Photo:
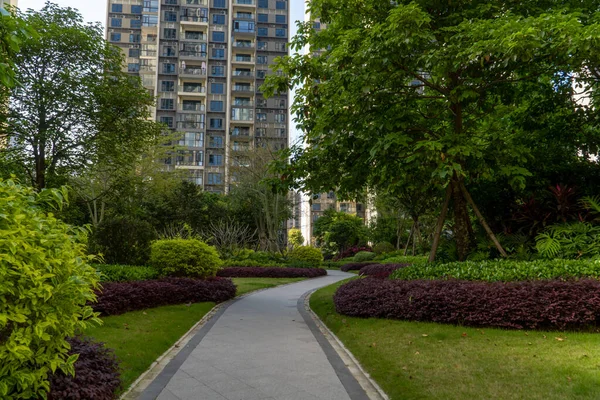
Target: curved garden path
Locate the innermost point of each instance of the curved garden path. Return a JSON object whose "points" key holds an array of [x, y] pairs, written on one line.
{"points": [[262, 346]]}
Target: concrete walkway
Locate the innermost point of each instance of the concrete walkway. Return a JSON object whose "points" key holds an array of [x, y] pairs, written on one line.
{"points": [[259, 348]]}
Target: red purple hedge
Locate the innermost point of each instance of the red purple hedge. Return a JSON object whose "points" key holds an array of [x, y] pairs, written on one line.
{"points": [[96, 377], [532, 304], [120, 297], [260, 272], [351, 252], [356, 266], [380, 270]]}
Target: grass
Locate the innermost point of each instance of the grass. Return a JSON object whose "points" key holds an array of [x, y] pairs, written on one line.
{"points": [[140, 337], [414, 360]]}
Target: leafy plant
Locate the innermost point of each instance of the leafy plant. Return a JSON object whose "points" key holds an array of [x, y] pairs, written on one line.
{"points": [[571, 240], [258, 272], [124, 273], [364, 256], [295, 237], [45, 283], [185, 257], [383, 247], [380, 270], [307, 254]]}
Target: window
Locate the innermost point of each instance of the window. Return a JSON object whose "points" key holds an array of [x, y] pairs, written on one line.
{"points": [[216, 105], [191, 105], [136, 9], [167, 86], [150, 20], [317, 25], [261, 60], [116, 22], [216, 123], [261, 116], [263, 3], [151, 5], [281, 132], [215, 160], [215, 178], [263, 18], [216, 88], [242, 114], [219, 19], [117, 8], [193, 139], [170, 33], [263, 32], [280, 5], [280, 118], [166, 104], [261, 132], [218, 36], [262, 45], [135, 38], [133, 67], [168, 68], [135, 23], [218, 53], [280, 32], [134, 52], [316, 207], [243, 26], [168, 51], [359, 207], [115, 37], [167, 121], [219, 3], [260, 74], [280, 19], [170, 16], [216, 141], [217, 70]]}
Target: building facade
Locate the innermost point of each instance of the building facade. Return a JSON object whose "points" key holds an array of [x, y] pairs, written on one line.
{"points": [[4, 3], [205, 61]]}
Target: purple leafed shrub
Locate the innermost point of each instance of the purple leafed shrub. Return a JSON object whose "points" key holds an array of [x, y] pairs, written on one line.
{"points": [[550, 304], [380, 270], [351, 252], [96, 377], [260, 272], [356, 266], [120, 297]]}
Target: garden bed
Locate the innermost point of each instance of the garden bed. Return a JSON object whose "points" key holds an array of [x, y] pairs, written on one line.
{"points": [[259, 272]]}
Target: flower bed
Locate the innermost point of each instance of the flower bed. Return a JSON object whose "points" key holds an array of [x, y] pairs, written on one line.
{"points": [[259, 272], [380, 270], [546, 304], [120, 297], [356, 266]]}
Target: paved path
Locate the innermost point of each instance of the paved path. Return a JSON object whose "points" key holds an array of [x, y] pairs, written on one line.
{"points": [[259, 348]]}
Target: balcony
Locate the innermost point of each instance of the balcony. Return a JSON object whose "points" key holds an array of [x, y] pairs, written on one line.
{"points": [[243, 74], [243, 45], [242, 115], [193, 91], [190, 125], [244, 3], [240, 132], [192, 107], [194, 2], [246, 16], [192, 55], [248, 103], [192, 72], [193, 37], [243, 89], [242, 59], [193, 20]]}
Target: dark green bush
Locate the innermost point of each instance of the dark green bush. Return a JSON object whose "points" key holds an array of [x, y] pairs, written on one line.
{"points": [[364, 256], [383, 247], [125, 273], [503, 270], [123, 241], [306, 254], [185, 257]]}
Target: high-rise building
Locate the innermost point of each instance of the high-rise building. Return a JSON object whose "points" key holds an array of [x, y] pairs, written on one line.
{"points": [[205, 61], [4, 3]]}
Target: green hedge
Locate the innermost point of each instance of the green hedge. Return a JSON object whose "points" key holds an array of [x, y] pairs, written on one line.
{"points": [[125, 273], [502, 270], [306, 254], [185, 258]]}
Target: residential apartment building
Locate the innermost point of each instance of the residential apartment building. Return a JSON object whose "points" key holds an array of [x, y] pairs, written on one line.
{"points": [[205, 61], [4, 3]]}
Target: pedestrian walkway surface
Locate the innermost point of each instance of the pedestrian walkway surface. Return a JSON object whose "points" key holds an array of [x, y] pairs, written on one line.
{"points": [[260, 348]]}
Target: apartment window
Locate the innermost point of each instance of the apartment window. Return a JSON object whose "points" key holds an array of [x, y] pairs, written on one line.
{"points": [[116, 22], [260, 74], [215, 178], [280, 118], [216, 105], [216, 123], [359, 207], [217, 70], [133, 67], [117, 8], [193, 139], [151, 5], [216, 88], [167, 86], [262, 45], [261, 60], [135, 38], [216, 141], [219, 3], [218, 19], [215, 160], [218, 53], [281, 132], [280, 5], [166, 104], [115, 37], [135, 23], [170, 16], [261, 132], [280, 19], [150, 20], [134, 52], [280, 32], [263, 17], [168, 68], [243, 26], [136, 9], [170, 33], [168, 51], [263, 32], [263, 3], [218, 36], [167, 121], [316, 207], [317, 25], [261, 116]]}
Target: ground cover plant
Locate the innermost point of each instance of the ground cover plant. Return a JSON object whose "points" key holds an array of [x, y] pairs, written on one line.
{"points": [[124, 273], [419, 360], [380, 270], [250, 272], [356, 266], [120, 297], [550, 304], [503, 270]]}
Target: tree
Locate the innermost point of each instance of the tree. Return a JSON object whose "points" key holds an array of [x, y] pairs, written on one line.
{"points": [[74, 105], [295, 237], [400, 87], [338, 230]]}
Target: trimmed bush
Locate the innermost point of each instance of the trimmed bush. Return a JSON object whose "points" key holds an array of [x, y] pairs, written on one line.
{"points": [[351, 252], [272, 272], [185, 258], [125, 273], [354, 266], [520, 305], [380, 270], [364, 256], [251, 263], [123, 240], [97, 375], [121, 297], [503, 270], [386, 259], [45, 283], [383, 247], [306, 254]]}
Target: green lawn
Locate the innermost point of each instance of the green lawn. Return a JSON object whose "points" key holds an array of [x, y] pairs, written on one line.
{"points": [[413, 360], [140, 337]]}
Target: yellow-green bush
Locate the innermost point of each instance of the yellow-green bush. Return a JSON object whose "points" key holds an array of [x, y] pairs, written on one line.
{"points": [[45, 283], [185, 257], [307, 254]]}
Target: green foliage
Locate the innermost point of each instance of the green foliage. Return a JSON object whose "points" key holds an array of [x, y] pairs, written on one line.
{"points": [[45, 284], [13, 31], [185, 257], [383, 247], [123, 240], [295, 237], [339, 230], [399, 259], [124, 273], [364, 256], [503, 270], [306, 254], [572, 240]]}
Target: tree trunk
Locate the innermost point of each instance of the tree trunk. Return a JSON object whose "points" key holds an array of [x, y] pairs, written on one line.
{"points": [[440, 225], [412, 230], [40, 168], [463, 230], [417, 236]]}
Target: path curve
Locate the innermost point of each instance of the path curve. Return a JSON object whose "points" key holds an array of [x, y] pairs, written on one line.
{"points": [[258, 348]]}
